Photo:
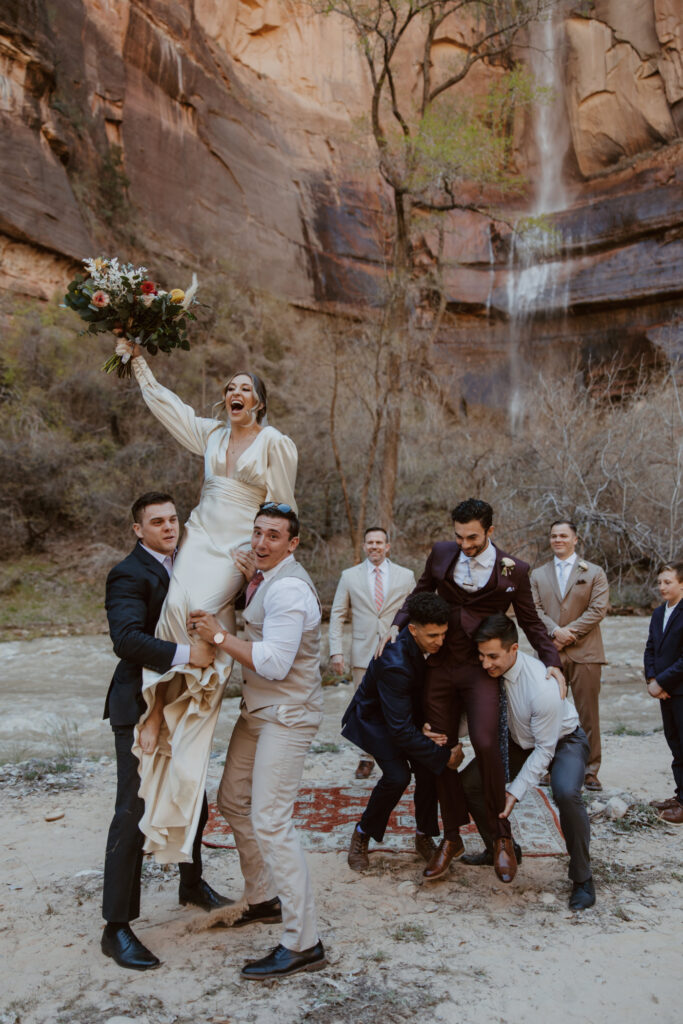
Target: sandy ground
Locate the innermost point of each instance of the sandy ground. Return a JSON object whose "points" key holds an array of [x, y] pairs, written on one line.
{"points": [[463, 950]]}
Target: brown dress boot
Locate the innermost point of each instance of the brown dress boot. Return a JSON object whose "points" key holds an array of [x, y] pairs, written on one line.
{"points": [[425, 846], [504, 860], [358, 859], [446, 851]]}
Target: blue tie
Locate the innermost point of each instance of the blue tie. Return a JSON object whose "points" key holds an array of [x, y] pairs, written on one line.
{"points": [[503, 735]]}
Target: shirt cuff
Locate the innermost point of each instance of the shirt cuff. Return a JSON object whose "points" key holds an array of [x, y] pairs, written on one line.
{"points": [[181, 656], [517, 787]]}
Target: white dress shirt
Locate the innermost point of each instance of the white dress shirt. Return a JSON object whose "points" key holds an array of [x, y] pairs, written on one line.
{"points": [[182, 651], [667, 613], [384, 572], [536, 718], [290, 607], [563, 574], [478, 569]]}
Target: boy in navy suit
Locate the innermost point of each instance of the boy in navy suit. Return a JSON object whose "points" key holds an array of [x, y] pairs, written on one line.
{"points": [[385, 719], [664, 675]]}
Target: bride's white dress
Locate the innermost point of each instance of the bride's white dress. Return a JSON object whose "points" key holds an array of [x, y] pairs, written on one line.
{"points": [[172, 779]]}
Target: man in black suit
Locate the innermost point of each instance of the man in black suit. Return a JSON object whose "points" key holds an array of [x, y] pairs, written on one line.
{"points": [[664, 675], [136, 589], [476, 579], [385, 719]]}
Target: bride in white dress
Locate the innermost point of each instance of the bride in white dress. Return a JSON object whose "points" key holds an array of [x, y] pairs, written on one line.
{"points": [[245, 464]]}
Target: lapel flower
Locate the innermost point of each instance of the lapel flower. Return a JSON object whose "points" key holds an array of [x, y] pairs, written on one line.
{"points": [[583, 566], [507, 565]]}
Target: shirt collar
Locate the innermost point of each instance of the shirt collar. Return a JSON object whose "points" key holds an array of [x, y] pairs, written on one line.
{"points": [[514, 672], [276, 568], [158, 555], [485, 558], [565, 561], [382, 566]]}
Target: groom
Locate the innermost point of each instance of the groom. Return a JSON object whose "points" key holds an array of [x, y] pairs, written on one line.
{"points": [[476, 579], [136, 589]]}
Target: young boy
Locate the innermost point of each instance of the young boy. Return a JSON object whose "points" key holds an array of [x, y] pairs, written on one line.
{"points": [[664, 675]]}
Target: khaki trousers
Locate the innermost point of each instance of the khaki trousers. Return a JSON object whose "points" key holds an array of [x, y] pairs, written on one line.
{"points": [[584, 682], [260, 782], [358, 674]]}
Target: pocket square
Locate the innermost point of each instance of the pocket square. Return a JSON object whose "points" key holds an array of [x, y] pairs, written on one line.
{"points": [[508, 590]]}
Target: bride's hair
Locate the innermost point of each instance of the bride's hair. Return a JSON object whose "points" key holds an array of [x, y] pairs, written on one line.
{"points": [[259, 390]]}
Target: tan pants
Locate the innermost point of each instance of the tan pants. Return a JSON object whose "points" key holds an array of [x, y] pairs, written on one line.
{"points": [[584, 682], [256, 796], [358, 674]]}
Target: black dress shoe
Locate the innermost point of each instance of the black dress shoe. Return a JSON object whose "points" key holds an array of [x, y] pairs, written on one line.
{"points": [[485, 858], [122, 945], [282, 961], [202, 895], [583, 895], [267, 912]]}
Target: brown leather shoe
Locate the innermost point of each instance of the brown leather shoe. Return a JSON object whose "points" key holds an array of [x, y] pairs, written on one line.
{"points": [[664, 805], [674, 815], [364, 769], [425, 846], [504, 860], [446, 851], [592, 782], [357, 858]]}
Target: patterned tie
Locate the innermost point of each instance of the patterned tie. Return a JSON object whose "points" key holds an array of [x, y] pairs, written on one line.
{"points": [[503, 736], [468, 582], [379, 588], [253, 586]]}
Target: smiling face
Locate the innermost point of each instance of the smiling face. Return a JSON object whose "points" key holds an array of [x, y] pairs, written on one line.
{"points": [[270, 541], [241, 401], [669, 586], [563, 540], [496, 659], [158, 528], [376, 546], [472, 537]]}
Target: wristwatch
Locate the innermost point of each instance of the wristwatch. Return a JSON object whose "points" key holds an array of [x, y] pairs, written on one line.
{"points": [[218, 638]]}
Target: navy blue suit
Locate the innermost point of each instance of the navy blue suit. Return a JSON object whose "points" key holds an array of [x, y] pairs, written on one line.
{"points": [[664, 662], [136, 589], [385, 719]]}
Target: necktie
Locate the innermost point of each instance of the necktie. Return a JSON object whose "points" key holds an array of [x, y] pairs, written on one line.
{"points": [[253, 586], [503, 735], [168, 564], [563, 566], [468, 582], [379, 588]]}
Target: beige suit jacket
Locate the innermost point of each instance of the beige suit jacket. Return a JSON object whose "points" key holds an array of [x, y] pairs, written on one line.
{"points": [[582, 609], [367, 626]]}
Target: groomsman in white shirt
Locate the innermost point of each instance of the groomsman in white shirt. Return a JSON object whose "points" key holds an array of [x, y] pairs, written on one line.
{"points": [[372, 592], [544, 735], [281, 709]]}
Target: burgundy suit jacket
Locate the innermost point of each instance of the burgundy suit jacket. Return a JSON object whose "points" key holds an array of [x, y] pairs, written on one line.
{"points": [[511, 587]]}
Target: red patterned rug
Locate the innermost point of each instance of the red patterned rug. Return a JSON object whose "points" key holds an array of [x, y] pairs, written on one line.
{"points": [[325, 818]]}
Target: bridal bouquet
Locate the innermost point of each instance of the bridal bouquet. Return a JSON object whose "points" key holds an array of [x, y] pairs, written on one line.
{"points": [[120, 298]]}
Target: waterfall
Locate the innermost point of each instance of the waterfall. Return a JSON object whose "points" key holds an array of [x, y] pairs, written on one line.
{"points": [[534, 282]]}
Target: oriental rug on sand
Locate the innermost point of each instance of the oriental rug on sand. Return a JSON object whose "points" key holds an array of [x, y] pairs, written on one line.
{"points": [[325, 816]]}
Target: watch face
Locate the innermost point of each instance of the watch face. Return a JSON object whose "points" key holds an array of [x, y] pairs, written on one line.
{"points": [[218, 638]]}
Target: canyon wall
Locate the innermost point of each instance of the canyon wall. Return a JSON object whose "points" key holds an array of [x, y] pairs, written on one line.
{"points": [[230, 132]]}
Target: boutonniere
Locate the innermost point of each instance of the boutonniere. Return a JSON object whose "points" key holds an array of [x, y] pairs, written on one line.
{"points": [[507, 565], [583, 566]]}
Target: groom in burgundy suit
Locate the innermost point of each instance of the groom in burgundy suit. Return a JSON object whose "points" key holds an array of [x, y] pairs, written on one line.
{"points": [[476, 579]]}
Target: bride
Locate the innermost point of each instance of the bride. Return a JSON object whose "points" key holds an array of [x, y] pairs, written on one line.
{"points": [[245, 464]]}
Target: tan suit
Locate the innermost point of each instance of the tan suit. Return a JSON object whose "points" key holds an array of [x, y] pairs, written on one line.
{"points": [[368, 626], [582, 609], [263, 767]]}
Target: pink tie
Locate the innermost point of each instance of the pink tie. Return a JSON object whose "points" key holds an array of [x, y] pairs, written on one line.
{"points": [[379, 589], [253, 585]]}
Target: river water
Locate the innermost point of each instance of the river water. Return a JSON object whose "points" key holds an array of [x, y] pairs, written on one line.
{"points": [[52, 693]]}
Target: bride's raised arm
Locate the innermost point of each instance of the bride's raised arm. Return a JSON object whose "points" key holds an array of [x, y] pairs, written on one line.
{"points": [[281, 474], [180, 420]]}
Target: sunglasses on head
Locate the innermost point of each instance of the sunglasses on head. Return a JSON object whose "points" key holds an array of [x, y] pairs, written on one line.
{"points": [[270, 506]]}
